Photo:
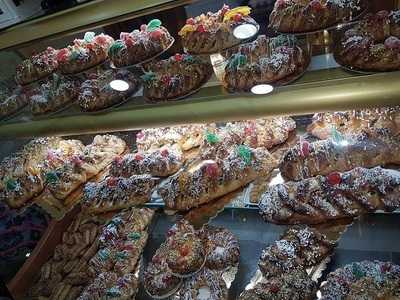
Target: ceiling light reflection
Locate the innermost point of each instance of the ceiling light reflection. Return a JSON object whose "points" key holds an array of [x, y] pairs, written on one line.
{"points": [[245, 31], [119, 85], [262, 89]]}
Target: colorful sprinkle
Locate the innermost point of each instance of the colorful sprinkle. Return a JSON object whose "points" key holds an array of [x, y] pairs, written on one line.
{"points": [[245, 153], [334, 178], [52, 177], [212, 138], [104, 254]]}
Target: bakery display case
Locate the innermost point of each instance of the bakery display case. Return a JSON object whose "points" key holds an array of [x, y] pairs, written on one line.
{"points": [[202, 150]]}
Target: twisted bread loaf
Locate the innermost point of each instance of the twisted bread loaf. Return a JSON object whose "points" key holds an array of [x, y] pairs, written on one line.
{"points": [[338, 195], [351, 122], [324, 157], [298, 248], [206, 180]]}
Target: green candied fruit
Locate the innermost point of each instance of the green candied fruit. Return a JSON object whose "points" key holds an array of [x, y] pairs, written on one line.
{"points": [[11, 184], [116, 47], [148, 76], [89, 36], [153, 25], [114, 292], [104, 254], [357, 271], [52, 177], [121, 255], [188, 58], [283, 40], [237, 60], [245, 153], [337, 137], [212, 138], [134, 235]]}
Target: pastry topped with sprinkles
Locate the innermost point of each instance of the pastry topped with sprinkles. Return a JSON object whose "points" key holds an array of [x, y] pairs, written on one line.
{"points": [[53, 95], [84, 53], [383, 120], [296, 16], [373, 44], [363, 280], [97, 93], [335, 196], [175, 77], [213, 32], [264, 61], [37, 67], [140, 45]]}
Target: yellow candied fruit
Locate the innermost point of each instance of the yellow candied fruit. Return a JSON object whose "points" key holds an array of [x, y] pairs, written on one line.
{"points": [[185, 29], [243, 10]]}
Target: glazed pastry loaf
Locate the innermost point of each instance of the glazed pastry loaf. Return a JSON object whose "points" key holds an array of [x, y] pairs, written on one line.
{"points": [[324, 157], [338, 195], [206, 180]]}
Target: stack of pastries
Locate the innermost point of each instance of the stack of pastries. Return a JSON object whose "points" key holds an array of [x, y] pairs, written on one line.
{"points": [[48, 171]]}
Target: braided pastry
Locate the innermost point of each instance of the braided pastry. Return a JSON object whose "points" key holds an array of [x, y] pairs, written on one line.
{"points": [[140, 45], [175, 77], [293, 16], [84, 53], [351, 122], [261, 63], [116, 193], [36, 67], [324, 157], [298, 248], [295, 285], [206, 180], [338, 195], [186, 137], [363, 280], [213, 32], [53, 95], [162, 162], [96, 93], [12, 101], [373, 44]]}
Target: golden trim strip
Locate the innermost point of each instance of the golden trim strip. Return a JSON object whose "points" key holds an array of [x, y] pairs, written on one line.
{"points": [[212, 104], [93, 14]]}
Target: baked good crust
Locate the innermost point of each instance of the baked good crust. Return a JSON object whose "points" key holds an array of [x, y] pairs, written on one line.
{"points": [[213, 32], [13, 100], [297, 16]]}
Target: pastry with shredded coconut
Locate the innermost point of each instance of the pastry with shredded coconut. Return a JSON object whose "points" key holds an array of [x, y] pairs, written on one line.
{"points": [[97, 92], [363, 280], [175, 77], [213, 32], [339, 153], [37, 67], [383, 120], [297, 16], [53, 95], [140, 45], [335, 196], [84, 53], [373, 44], [264, 61]]}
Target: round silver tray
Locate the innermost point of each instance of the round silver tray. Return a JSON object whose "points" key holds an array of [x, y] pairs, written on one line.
{"points": [[138, 65]]}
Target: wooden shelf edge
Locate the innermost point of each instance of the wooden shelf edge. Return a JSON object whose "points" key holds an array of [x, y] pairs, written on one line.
{"points": [[211, 106]]}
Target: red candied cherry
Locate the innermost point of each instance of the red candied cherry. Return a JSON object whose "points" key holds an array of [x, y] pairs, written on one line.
{"points": [[139, 156], [316, 5], [156, 34], [250, 129], [237, 17], [334, 178], [392, 42], [101, 40], [164, 152], [190, 21], [112, 181], [128, 247], [178, 57], [184, 250], [201, 28], [212, 170], [143, 27], [166, 80], [118, 160], [62, 55], [274, 288], [129, 42], [280, 4], [305, 149]]}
